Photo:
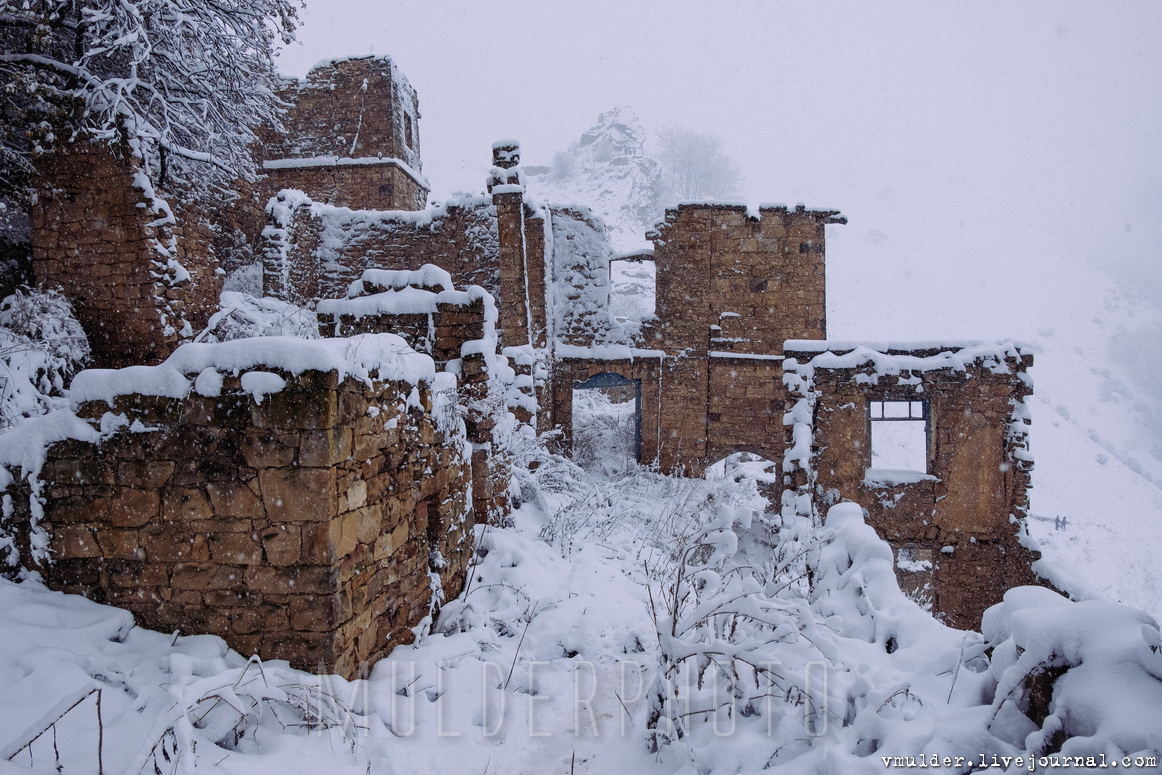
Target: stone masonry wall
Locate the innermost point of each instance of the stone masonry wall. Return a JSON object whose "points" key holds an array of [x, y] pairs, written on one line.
{"points": [[731, 282], [963, 515], [732, 286], [354, 107], [363, 184], [140, 275], [350, 137], [744, 396], [316, 251], [300, 527], [440, 323]]}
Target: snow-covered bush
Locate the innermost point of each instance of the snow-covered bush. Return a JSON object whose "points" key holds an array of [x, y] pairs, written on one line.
{"points": [[242, 316], [41, 346], [1074, 679]]}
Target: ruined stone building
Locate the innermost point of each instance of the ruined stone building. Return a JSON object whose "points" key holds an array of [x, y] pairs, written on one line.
{"points": [[505, 294]]}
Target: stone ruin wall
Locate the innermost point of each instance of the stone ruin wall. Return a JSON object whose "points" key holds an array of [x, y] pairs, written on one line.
{"points": [[978, 466], [318, 251], [376, 185], [745, 397], [731, 289], [97, 235], [353, 107], [302, 530], [361, 113], [458, 319], [731, 282]]}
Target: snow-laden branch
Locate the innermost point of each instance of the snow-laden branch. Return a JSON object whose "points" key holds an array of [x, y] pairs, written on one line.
{"points": [[189, 79]]}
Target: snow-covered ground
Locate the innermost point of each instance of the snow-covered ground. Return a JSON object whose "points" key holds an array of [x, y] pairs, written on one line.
{"points": [[635, 623], [644, 625]]}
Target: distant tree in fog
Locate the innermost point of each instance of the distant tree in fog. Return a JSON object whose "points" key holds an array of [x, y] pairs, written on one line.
{"points": [[564, 165], [694, 166]]}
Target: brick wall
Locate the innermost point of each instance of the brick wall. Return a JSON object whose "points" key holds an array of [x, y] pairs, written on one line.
{"points": [[140, 280], [304, 529], [958, 514]]}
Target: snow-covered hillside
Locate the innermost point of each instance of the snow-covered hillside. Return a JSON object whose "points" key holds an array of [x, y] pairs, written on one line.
{"points": [[608, 170]]}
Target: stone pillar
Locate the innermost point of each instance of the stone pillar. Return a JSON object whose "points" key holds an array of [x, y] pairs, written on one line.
{"points": [[508, 196]]}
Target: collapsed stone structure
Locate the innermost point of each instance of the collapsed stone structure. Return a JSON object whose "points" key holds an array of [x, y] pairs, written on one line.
{"points": [[735, 360], [325, 505], [955, 523]]}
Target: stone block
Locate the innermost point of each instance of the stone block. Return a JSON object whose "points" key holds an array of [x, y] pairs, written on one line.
{"points": [[266, 450], [297, 409], [281, 543], [298, 494], [293, 580], [75, 541], [325, 447], [185, 504], [145, 474], [235, 548], [158, 543], [204, 576], [131, 507], [231, 499]]}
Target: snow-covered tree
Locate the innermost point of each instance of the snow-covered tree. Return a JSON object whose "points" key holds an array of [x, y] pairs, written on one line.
{"points": [[694, 166], [185, 81]]}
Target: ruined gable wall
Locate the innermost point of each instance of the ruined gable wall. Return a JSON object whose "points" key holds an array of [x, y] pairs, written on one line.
{"points": [[731, 288], [140, 275], [302, 530], [348, 107], [978, 463], [731, 282]]}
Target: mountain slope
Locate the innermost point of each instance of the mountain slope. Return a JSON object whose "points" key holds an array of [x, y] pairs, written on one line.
{"points": [[608, 170]]}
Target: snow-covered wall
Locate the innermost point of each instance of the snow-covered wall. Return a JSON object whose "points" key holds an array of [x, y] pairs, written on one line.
{"points": [[315, 250], [278, 492], [956, 516]]}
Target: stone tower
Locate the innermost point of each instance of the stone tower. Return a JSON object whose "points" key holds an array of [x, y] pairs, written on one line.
{"points": [[350, 137]]}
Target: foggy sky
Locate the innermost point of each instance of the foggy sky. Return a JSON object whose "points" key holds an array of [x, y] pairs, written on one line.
{"points": [[976, 141]]}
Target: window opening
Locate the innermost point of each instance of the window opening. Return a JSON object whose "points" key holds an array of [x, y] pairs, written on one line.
{"points": [[632, 288], [899, 433]]}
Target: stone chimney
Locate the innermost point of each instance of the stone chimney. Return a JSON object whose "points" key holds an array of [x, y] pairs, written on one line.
{"points": [[505, 183]]}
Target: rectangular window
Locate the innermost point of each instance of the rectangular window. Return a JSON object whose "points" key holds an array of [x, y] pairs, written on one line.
{"points": [[407, 130], [899, 435]]}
